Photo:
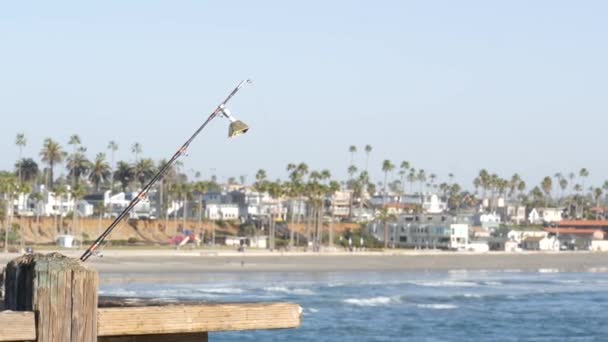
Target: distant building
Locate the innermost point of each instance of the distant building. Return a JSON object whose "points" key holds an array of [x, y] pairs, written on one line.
{"points": [[584, 224], [433, 231], [339, 204], [515, 214], [487, 220], [575, 238], [540, 243], [520, 235], [216, 211], [545, 215]]}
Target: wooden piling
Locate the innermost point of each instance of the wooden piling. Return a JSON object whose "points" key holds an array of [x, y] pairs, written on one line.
{"points": [[61, 291], [53, 298]]}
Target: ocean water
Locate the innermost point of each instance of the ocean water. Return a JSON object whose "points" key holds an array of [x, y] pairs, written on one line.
{"points": [[511, 305]]}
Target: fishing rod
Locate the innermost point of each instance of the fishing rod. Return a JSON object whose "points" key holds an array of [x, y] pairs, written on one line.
{"points": [[236, 128]]}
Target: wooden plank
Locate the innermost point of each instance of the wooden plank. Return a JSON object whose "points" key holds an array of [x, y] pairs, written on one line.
{"points": [[60, 290], [194, 337], [196, 318], [17, 326]]}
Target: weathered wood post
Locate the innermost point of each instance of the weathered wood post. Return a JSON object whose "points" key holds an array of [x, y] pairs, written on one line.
{"points": [[61, 291]]}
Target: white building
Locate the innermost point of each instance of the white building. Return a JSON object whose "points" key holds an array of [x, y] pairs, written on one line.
{"points": [[432, 204], [519, 235], [516, 214], [340, 204], [222, 211], [542, 215], [459, 238]]}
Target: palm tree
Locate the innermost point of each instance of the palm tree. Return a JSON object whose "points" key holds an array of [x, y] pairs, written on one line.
{"points": [[201, 187], [78, 165], [387, 167], [124, 174], [275, 190], [411, 178], [27, 169], [331, 189], [260, 181], [368, 150], [597, 194], [136, 149], [60, 191], [8, 188], [351, 173], [113, 147], [421, 178], [52, 154], [563, 185], [352, 149], [513, 184], [144, 171], [385, 218], [547, 186], [77, 192], [404, 168], [37, 197], [75, 142], [100, 171], [583, 173], [20, 141]]}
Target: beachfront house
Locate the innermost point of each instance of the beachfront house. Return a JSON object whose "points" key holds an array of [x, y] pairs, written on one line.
{"points": [[339, 204], [515, 214], [545, 215], [576, 239], [488, 221], [427, 231], [520, 235], [222, 211], [433, 205]]}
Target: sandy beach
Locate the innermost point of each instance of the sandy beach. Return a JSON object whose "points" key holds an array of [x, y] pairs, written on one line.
{"points": [[181, 263]]}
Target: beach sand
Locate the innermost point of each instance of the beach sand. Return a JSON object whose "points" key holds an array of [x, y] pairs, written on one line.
{"points": [[134, 262]]}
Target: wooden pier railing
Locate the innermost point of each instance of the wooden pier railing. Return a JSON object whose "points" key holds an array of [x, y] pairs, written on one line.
{"points": [[54, 298]]}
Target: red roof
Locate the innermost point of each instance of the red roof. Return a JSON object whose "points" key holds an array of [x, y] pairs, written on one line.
{"points": [[574, 231], [583, 223]]}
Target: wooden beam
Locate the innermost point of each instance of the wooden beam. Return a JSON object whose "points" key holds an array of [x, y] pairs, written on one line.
{"points": [[193, 337], [17, 326], [60, 290], [174, 319]]}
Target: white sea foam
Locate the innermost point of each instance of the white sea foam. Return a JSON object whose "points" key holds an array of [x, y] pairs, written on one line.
{"points": [[471, 295], [492, 283], [313, 310], [548, 270], [438, 306], [374, 301], [223, 290], [446, 283], [118, 292], [294, 291]]}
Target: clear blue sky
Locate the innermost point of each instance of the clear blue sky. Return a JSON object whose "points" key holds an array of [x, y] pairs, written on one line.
{"points": [[451, 86]]}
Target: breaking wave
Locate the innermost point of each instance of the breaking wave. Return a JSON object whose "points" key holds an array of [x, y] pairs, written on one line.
{"points": [[373, 301], [293, 291], [438, 306]]}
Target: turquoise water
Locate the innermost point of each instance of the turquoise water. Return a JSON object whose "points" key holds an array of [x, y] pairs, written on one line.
{"points": [[546, 305]]}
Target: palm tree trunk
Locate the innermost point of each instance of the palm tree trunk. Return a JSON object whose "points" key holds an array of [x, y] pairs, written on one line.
{"points": [[200, 213], [185, 213], [385, 234], [37, 224], [331, 233], [6, 227]]}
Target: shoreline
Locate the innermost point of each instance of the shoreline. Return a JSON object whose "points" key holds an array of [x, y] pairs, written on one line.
{"points": [[132, 262]]}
